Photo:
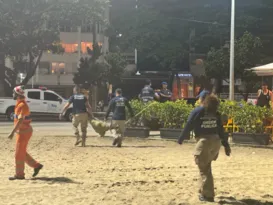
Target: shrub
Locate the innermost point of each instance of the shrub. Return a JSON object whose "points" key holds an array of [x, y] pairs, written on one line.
{"points": [[174, 115], [137, 107], [250, 118]]}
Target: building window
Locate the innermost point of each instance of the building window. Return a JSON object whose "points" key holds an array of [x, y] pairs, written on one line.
{"points": [[84, 46], [70, 48], [73, 48], [44, 68], [58, 68]]}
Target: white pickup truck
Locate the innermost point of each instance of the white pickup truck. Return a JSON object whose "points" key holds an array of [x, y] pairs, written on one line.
{"points": [[42, 102]]}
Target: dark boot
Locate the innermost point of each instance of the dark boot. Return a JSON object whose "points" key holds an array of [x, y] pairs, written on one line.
{"points": [[115, 141], [206, 199], [37, 170], [78, 140], [83, 141], [119, 142], [16, 178]]}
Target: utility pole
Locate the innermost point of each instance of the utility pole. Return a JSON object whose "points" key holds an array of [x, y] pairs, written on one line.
{"points": [[232, 40], [79, 43], [138, 73]]}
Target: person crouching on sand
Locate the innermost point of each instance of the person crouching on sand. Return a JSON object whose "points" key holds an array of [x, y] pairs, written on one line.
{"points": [[209, 133]]}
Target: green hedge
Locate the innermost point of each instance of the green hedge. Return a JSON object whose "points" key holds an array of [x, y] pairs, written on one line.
{"points": [[171, 114], [174, 115]]}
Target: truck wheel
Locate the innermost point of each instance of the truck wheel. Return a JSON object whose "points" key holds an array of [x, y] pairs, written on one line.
{"points": [[69, 116], [10, 114]]}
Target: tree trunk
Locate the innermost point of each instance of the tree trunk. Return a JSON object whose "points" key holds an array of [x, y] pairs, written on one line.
{"points": [[32, 68], [94, 32]]}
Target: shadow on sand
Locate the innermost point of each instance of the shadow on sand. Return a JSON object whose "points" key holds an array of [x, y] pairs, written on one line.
{"points": [[109, 146], [233, 201], [55, 180]]}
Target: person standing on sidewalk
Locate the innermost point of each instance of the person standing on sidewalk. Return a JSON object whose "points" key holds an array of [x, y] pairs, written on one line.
{"points": [[147, 94], [23, 131], [118, 105], [81, 111], [165, 94], [207, 125], [265, 96]]}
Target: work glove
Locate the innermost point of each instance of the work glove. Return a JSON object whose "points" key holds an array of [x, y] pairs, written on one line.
{"points": [[227, 148]]}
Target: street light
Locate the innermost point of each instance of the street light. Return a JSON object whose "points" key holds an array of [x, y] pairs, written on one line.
{"points": [[232, 39]]}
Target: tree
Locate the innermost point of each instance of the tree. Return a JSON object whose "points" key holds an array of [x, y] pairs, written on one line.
{"points": [[30, 29], [247, 55], [96, 71], [117, 65], [91, 71], [160, 29]]}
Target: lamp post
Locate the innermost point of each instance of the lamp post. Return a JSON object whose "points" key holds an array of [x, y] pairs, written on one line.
{"points": [[137, 73], [232, 39]]}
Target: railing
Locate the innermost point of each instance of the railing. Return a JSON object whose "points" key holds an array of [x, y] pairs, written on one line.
{"points": [[238, 96]]}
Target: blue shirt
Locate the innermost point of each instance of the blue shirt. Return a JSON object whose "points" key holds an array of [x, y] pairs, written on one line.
{"points": [[203, 123], [147, 94], [203, 95], [79, 103], [118, 106]]}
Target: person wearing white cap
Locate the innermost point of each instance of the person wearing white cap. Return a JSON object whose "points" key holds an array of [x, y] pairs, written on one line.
{"points": [[23, 131]]}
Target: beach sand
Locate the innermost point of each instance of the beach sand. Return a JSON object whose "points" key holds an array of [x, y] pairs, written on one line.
{"points": [[143, 172]]}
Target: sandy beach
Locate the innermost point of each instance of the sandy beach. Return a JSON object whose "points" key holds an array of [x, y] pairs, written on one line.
{"points": [[143, 172]]}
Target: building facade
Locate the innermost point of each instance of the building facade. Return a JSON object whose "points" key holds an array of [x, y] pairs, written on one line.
{"points": [[55, 71]]}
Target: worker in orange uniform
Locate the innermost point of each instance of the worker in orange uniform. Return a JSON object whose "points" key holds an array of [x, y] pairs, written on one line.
{"points": [[23, 131]]}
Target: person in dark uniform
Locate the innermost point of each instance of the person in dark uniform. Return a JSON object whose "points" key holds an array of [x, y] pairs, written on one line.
{"points": [[81, 112], [165, 94], [118, 105], [207, 125], [147, 94], [264, 96]]}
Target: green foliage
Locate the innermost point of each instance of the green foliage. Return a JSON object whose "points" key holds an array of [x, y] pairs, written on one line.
{"points": [[250, 118], [94, 71], [174, 115], [217, 63], [26, 31], [117, 65], [137, 107], [91, 71], [229, 108], [161, 30], [247, 55]]}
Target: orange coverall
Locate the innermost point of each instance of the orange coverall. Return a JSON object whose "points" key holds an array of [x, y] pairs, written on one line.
{"points": [[23, 135]]}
